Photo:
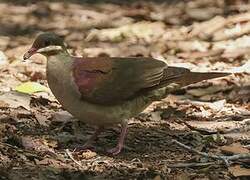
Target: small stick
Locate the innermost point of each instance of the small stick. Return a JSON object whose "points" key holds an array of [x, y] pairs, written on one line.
{"points": [[238, 156], [72, 158], [225, 159], [184, 165]]}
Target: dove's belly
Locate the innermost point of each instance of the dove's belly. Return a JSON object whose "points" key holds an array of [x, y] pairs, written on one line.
{"points": [[106, 115], [95, 114]]}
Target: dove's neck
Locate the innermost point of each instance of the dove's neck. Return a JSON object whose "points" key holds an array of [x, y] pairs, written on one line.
{"points": [[59, 76], [59, 65]]}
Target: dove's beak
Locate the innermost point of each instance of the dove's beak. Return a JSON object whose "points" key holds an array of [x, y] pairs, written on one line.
{"points": [[29, 53]]}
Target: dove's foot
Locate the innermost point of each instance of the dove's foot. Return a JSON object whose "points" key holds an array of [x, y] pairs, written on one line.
{"points": [[116, 150]]}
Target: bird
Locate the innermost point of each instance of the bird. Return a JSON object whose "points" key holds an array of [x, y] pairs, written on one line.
{"points": [[107, 91]]}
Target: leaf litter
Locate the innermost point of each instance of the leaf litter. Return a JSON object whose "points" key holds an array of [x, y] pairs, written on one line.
{"points": [[211, 116]]}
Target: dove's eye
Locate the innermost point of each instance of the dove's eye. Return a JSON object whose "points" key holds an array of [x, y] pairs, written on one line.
{"points": [[46, 43]]}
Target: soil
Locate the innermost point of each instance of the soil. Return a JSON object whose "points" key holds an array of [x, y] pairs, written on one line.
{"points": [[37, 136]]}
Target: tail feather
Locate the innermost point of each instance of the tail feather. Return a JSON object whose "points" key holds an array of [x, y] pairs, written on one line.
{"points": [[185, 77]]}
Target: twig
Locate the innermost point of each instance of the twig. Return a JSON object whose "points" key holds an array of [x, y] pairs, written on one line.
{"points": [[238, 156], [225, 159], [26, 152], [198, 152], [9, 145], [72, 158], [184, 165]]}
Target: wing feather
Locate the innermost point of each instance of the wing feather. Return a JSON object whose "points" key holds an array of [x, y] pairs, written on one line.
{"points": [[110, 81]]}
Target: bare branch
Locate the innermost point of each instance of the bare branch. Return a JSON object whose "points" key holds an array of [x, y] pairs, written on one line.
{"points": [[225, 159]]}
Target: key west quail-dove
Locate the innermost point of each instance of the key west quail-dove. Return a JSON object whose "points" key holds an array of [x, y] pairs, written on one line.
{"points": [[104, 91]]}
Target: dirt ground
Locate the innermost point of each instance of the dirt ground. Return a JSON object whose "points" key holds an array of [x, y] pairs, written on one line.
{"points": [[37, 135]]}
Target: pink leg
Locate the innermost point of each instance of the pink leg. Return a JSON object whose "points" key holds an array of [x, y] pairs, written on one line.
{"points": [[89, 142], [119, 146]]}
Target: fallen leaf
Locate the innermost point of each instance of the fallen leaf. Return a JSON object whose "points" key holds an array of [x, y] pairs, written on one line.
{"points": [[141, 30], [31, 87], [62, 116], [182, 176], [230, 33], [238, 171], [158, 177], [222, 126], [207, 28], [4, 41], [14, 99], [232, 149], [244, 68], [193, 47], [203, 13], [3, 104], [3, 58], [217, 105], [236, 53], [196, 54], [88, 154], [42, 120], [205, 91], [41, 145], [238, 136]]}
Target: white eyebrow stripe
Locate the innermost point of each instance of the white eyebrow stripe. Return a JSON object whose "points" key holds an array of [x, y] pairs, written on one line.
{"points": [[50, 48]]}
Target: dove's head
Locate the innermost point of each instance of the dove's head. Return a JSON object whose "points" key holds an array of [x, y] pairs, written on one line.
{"points": [[45, 43]]}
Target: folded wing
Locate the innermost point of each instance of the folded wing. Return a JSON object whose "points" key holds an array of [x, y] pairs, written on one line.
{"points": [[110, 81]]}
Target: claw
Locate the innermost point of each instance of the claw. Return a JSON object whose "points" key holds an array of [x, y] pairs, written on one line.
{"points": [[115, 151], [118, 148]]}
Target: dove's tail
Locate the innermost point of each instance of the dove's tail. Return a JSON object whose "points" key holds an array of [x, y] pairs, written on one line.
{"points": [[175, 78], [184, 77]]}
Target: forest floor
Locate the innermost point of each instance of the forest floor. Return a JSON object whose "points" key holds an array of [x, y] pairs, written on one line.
{"points": [[212, 117]]}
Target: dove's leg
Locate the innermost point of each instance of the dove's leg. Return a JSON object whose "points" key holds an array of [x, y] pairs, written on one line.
{"points": [[116, 150]]}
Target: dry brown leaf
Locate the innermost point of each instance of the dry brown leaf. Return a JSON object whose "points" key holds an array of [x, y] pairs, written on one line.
{"points": [[244, 68], [141, 30], [88, 154], [207, 28], [196, 55], [172, 34], [238, 136], [231, 33], [219, 127], [205, 91], [231, 45], [182, 176], [239, 18], [235, 148], [238, 171], [4, 41], [158, 177], [185, 46], [236, 53], [3, 58], [15, 100], [62, 116], [41, 119], [41, 145], [203, 13], [17, 53], [3, 104]]}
